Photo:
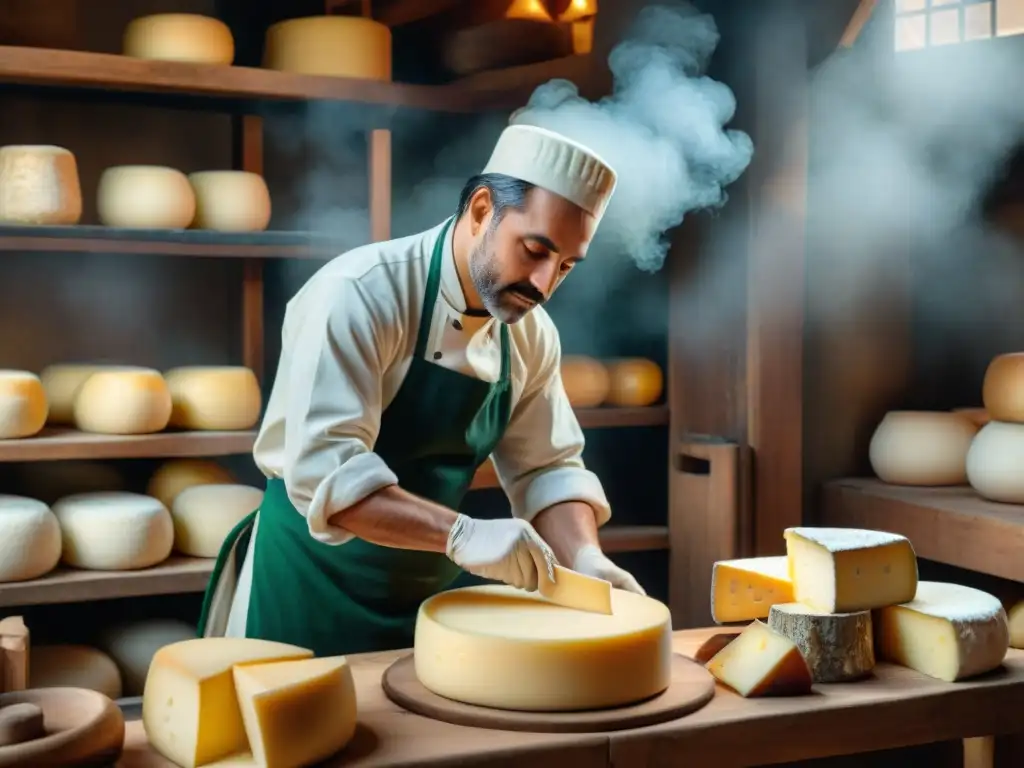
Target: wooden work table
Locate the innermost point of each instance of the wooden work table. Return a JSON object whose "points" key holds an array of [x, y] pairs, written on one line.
{"points": [[898, 707]]}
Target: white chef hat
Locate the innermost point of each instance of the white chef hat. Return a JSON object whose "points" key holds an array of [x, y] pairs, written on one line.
{"points": [[555, 163]]}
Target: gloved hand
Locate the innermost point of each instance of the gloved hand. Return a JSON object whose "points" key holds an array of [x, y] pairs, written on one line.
{"points": [[507, 550], [591, 561]]}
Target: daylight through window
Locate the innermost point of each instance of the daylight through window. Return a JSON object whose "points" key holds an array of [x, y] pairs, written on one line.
{"points": [[926, 23]]}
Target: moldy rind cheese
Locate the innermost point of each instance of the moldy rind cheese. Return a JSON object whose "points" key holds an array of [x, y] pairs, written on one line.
{"points": [[746, 589], [761, 662], [838, 647], [39, 185]]}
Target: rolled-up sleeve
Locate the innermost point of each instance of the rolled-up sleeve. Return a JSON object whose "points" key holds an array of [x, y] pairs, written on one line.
{"points": [[338, 354], [539, 460]]}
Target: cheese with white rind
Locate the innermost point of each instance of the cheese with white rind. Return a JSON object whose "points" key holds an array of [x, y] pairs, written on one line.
{"points": [[501, 647], [145, 197], [838, 647], [30, 541], [761, 662], [186, 37], [23, 406], [123, 401], [230, 201], [173, 477], [335, 46], [39, 185], [61, 383], [845, 570], [204, 515], [995, 463], [297, 713], [190, 708], [575, 590], [745, 589], [114, 531], [1016, 620], [1003, 388], [922, 448], [214, 397], [74, 666], [132, 645], [948, 631]]}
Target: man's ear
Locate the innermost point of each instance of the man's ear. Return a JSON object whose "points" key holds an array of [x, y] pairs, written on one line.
{"points": [[481, 208]]}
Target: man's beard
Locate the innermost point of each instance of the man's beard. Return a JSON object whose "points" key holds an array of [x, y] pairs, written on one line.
{"points": [[499, 299]]}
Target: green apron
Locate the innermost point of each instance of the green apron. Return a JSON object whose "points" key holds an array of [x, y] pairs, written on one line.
{"points": [[357, 597]]}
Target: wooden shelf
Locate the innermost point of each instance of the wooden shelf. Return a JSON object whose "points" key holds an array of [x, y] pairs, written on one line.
{"points": [[53, 444], [947, 525]]}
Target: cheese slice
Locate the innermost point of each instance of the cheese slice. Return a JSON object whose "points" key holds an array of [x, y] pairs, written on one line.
{"points": [[947, 631], [838, 647], [742, 590], [1017, 625], [574, 590], [297, 713], [844, 570], [761, 662]]}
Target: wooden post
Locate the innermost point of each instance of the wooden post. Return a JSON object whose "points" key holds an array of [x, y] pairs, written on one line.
{"points": [[249, 157], [380, 184]]}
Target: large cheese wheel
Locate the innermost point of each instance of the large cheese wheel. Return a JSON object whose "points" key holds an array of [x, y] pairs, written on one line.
{"points": [[145, 197], [180, 37], [214, 397], [114, 531], [23, 405], [29, 539], [585, 380], [39, 185], [205, 514], [73, 666], [123, 401], [173, 477], [922, 448], [52, 480], [338, 46], [497, 646], [131, 645], [61, 383], [230, 201], [995, 462], [635, 382]]}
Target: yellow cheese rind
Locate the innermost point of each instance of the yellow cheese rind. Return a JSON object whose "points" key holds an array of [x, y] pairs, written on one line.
{"points": [[574, 590], [123, 401], [497, 646], [761, 662], [844, 570], [838, 647], [335, 46], [145, 197], [61, 383], [1016, 619], [742, 590], [23, 405], [39, 185], [230, 201], [947, 631], [186, 37], [214, 397], [173, 477]]}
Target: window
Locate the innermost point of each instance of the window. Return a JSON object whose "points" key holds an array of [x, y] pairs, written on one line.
{"points": [[926, 23]]}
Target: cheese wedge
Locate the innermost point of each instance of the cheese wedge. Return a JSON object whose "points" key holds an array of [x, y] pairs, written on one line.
{"points": [[574, 590], [761, 662], [746, 589]]}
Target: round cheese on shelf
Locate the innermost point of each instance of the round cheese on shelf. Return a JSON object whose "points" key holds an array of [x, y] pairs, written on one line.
{"points": [[23, 406], [131, 646], [52, 480], [214, 397], [114, 531], [838, 647], [230, 201], [1003, 388], [337, 46], [123, 401], [73, 666], [61, 383], [145, 197], [995, 462], [185, 37], [978, 416], [173, 477], [922, 448], [585, 380], [635, 382], [1016, 620], [39, 185], [30, 542], [497, 646], [205, 514]]}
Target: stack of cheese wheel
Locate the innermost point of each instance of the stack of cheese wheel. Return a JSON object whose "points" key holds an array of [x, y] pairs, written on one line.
{"points": [[214, 397], [39, 185], [74, 666], [624, 383], [230, 201], [925, 448], [205, 514], [185, 37], [173, 477], [132, 645], [335, 46], [838, 599], [995, 463], [30, 539], [145, 197], [23, 404], [114, 531]]}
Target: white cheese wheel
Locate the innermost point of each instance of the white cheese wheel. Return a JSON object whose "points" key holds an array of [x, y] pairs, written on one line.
{"points": [[922, 448], [995, 462], [173, 477], [39, 185], [497, 646], [205, 514], [73, 666], [132, 645], [123, 401], [61, 383], [52, 480], [23, 406], [214, 397], [180, 37], [114, 531], [1003, 388], [338, 46], [838, 647], [145, 197], [30, 542], [230, 201], [634, 382], [585, 380]]}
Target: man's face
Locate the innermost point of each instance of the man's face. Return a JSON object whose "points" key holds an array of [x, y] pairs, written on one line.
{"points": [[518, 264]]}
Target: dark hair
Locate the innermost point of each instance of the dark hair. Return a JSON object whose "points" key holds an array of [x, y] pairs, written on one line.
{"points": [[506, 192]]}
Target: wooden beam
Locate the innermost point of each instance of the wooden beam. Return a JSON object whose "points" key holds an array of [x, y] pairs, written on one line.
{"points": [[857, 23]]}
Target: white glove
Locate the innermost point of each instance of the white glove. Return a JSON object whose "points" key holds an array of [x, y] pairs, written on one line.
{"points": [[507, 550], [591, 561]]}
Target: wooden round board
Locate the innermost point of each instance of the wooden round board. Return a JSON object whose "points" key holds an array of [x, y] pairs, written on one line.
{"points": [[692, 687]]}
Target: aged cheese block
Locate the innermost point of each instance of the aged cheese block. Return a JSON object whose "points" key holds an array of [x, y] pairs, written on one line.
{"points": [[114, 531], [49, 481], [1017, 625], [838, 647], [23, 406], [995, 462], [173, 477], [922, 448], [575, 590], [214, 397], [205, 514], [190, 710], [132, 645], [180, 37], [635, 382], [230, 201], [30, 541], [338, 46], [123, 401], [761, 662], [745, 589], [585, 380], [73, 666], [297, 712], [844, 570], [947, 631], [978, 416], [61, 383], [1003, 388], [39, 185], [145, 197], [497, 646]]}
